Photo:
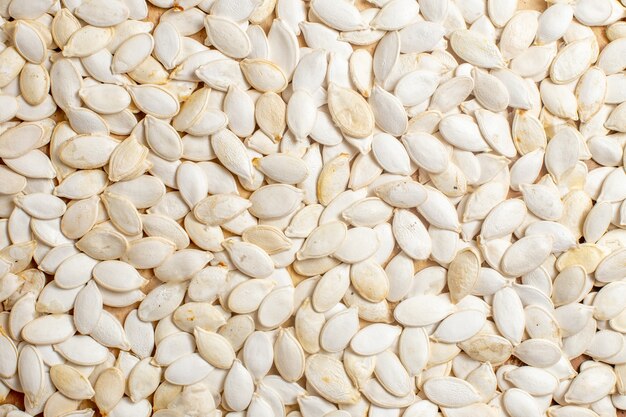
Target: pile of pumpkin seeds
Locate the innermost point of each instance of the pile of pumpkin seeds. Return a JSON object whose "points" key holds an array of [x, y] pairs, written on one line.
{"points": [[312, 208]]}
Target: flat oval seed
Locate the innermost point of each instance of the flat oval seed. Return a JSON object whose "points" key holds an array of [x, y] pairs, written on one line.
{"points": [[214, 348], [263, 75], [50, 329], [82, 350], [360, 243], [182, 265], [411, 235], [476, 49], [247, 296], [232, 154], [611, 58], [132, 52], [162, 301], [249, 258], [572, 60], [227, 36], [340, 389], [336, 333], [283, 168], [611, 267], [374, 339], [187, 370], [343, 17], [459, 326], [19, 140], [117, 276], [149, 252], [71, 382], [323, 241], [154, 100], [463, 274], [526, 254], [450, 392], [87, 41], [423, 310], [350, 111], [41, 206], [87, 151], [583, 391], [520, 403], [29, 42]]}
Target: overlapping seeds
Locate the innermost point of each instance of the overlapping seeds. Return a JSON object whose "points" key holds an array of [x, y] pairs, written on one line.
{"points": [[312, 208]]}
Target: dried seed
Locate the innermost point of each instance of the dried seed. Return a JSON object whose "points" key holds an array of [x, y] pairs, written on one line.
{"points": [[350, 112], [573, 60], [450, 392], [581, 391], [476, 49], [341, 390], [263, 75], [154, 100], [82, 350], [87, 41], [463, 273], [343, 17], [109, 389], [227, 36]]}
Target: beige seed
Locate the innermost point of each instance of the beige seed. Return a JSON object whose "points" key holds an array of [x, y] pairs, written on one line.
{"points": [[109, 389], [71, 382], [350, 111]]}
